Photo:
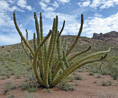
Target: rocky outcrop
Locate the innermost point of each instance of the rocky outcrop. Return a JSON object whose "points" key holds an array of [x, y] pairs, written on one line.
{"points": [[111, 37]]}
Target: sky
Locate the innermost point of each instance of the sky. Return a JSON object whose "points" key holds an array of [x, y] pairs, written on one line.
{"points": [[100, 16]]}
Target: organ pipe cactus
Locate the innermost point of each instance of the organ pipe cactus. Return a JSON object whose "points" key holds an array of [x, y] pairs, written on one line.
{"points": [[52, 62]]}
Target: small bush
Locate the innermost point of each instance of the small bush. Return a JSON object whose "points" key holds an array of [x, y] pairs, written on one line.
{"points": [[78, 77], [24, 86], [71, 78], [66, 87], [106, 83], [98, 76], [32, 89], [91, 73]]}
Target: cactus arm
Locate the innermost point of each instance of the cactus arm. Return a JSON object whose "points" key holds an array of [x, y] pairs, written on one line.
{"points": [[65, 60], [75, 54], [34, 41], [66, 45], [83, 59], [61, 29], [86, 62], [35, 59], [50, 53], [20, 33], [23, 45], [37, 28], [89, 56], [41, 26], [79, 33], [59, 54], [70, 70], [53, 52], [70, 49]]}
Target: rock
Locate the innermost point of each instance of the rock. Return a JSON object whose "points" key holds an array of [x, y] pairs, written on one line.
{"points": [[111, 37]]}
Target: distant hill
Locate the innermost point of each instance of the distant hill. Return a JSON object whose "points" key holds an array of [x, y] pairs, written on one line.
{"points": [[111, 37]]}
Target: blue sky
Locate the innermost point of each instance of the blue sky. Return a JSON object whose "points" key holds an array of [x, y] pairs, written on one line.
{"points": [[99, 16]]}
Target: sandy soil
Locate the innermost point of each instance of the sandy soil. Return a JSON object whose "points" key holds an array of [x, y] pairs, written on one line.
{"points": [[89, 87]]}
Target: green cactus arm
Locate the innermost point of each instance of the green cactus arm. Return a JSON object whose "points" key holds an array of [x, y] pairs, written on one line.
{"points": [[41, 59], [66, 49], [20, 33], [59, 54], [48, 58], [51, 51], [41, 26], [90, 56], [79, 33], [62, 43], [65, 60], [37, 29], [75, 54], [61, 29], [70, 70], [55, 29], [35, 59], [41, 52], [34, 41], [50, 76], [70, 49], [26, 51], [86, 62], [81, 60]]}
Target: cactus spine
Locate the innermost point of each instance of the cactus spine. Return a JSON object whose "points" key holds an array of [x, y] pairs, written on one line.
{"points": [[49, 57]]}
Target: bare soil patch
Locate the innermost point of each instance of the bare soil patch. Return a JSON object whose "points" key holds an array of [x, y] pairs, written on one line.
{"points": [[89, 87]]}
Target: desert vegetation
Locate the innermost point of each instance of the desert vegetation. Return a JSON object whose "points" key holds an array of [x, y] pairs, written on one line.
{"points": [[56, 62]]}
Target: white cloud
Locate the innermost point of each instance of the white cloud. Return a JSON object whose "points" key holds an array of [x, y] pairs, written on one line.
{"points": [[7, 28], [98, 3], [45, 7], [48, 7], [9, 39], [84, 4], [55, 4], [107, 4], [103, 3], [23, 4], [29, 8], [64, 1], [99, 24], [4, 5]]}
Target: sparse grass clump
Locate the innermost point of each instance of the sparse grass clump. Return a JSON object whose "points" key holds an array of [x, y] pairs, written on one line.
{"points": [[91, 73], [9, 86], [71, 78], [78, 77], [98, 76], [32, 89], [65, 86], [106, 83]]}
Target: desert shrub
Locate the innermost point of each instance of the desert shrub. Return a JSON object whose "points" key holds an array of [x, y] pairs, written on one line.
{"points": [[91, 73], [32, 89], [106, 83], [65, 86], [78, 77]]}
